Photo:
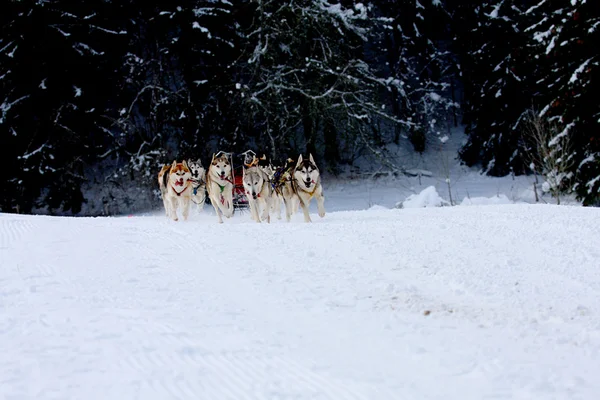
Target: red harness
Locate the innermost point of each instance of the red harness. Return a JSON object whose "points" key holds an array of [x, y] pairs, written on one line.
{"points": [[179, 193]]}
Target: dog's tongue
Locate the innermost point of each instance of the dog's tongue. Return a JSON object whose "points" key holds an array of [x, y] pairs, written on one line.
{"points": [[179, 182]]}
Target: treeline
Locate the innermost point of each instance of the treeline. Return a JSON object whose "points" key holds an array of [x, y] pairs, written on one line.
{"points": [[97, 93]]}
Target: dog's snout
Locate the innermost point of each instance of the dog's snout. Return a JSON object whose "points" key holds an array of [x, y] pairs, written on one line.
{"points": [[254, 195]]}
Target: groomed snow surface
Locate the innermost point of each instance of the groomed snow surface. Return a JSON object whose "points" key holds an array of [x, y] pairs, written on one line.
{"points": [[486, 302]]}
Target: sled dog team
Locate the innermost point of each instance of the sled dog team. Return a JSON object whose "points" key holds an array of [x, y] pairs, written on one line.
{"points": [[265, 186]]}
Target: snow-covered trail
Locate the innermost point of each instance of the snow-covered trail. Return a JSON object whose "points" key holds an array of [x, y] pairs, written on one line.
{"points": [[451, 303]]}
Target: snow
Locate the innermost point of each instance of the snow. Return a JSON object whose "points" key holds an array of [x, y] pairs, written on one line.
{"points": [[202, 29], [434, 96], [496, 301], [494, 12], [579, 71], [478, 201], [428, 197]]}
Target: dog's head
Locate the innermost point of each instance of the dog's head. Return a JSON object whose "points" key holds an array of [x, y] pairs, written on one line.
{"points": [[265, 166], [253, 181], [220, 166], [289, 164], [179, 174], [196, 169], [306, 172]]}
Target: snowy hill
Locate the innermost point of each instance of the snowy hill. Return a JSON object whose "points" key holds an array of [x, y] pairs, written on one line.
{"points": [[477, 302]]}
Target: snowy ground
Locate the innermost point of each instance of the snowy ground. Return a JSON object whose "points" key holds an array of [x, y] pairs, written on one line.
{"points": [[497, 301]]}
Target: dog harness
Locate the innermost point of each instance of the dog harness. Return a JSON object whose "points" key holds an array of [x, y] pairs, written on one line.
{"points": [[279, 179], [179, 193], [195, 185]]}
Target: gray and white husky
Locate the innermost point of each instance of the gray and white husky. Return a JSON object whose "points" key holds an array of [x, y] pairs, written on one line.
{"points": [[306, 181], [219, 184], [198, 180], [257, 187]]}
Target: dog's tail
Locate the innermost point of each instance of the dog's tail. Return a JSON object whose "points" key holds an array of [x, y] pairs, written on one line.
{"points": [[165, 177]]}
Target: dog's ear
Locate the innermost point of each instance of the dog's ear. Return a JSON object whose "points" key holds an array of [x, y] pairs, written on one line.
{"points": [[299, 162], [311, 159], [199, 161], [174, 164], [185, 164], [213, 158]]}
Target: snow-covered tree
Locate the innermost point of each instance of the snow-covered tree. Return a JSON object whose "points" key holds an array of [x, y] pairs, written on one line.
{"points": [[305, 83], [567, 34], [414, 46], [498, 74], [53, 54]]}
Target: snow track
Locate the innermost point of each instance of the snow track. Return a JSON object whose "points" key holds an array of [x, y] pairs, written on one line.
{"points": [[453, 303]]}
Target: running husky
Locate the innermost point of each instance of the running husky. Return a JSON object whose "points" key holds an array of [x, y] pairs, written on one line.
{"points": [[284, 190], [257, 186], [175, 188], [198, 182], [265, 165], [306, 183], [219, 184]]}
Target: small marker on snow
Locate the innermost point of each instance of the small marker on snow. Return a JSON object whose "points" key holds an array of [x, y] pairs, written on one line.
{"points": [[426, 312]]}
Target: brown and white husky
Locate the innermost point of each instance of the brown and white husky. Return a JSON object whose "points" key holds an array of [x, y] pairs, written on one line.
{"points": [[175, 189]]}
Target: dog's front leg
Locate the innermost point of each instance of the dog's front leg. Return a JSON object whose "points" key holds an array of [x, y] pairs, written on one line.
{"points": [[276, 204], [266, 209], [305, 210], [166, 205], [229, 201], [295, 202], [254, 210], [288, 208], [321, 204], [216, 207], [186, 207], [173, 208]]}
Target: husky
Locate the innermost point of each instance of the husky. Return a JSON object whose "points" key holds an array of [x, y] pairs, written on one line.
{"points": [[306, 183], [198, 182], [175, 188], [284, 189], [269, 170], [219, 184], [258, 191]]}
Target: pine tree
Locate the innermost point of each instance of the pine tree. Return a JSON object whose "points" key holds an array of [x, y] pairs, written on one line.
{"points": [[414, 46], [498, 75], [567, 36], [53, 54]]}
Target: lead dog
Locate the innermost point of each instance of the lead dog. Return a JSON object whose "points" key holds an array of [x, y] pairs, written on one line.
{"points": [[306, 183], [258, 191], [219, 184], [175, 189]]}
